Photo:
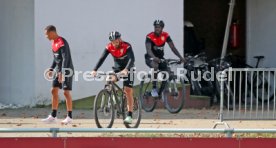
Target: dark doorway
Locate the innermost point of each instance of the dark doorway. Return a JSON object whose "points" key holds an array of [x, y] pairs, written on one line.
{"points": [[209, 18]]}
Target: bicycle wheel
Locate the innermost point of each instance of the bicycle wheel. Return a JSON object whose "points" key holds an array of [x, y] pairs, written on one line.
{"points": [[148, 102], [174, 94], [104, 109], [264, 86], [136, 114], [195, 86]]}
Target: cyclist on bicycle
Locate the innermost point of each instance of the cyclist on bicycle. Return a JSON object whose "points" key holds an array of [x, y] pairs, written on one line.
{"points": [[155, 42], [124, 61]]}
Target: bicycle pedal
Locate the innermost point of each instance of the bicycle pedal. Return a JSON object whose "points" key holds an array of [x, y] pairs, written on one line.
{"points": [[118, 114], [106, 110]]}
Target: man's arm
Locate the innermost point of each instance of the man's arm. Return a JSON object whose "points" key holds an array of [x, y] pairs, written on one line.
{"points": [[130, 54], [65, 53], [53, 65], [174, 50], [101, 60], [64, 64]]}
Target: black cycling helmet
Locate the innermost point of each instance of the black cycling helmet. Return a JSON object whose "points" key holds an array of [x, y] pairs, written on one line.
{"points": [[114, 35], [159, 22]]}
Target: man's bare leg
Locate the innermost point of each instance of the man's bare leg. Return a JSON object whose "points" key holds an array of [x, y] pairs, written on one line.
{"points": [[52, 118], [129, 95], [54, 92], [68, 97]]}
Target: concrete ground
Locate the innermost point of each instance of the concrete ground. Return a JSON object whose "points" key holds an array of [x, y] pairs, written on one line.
{"points": [[187, 118]]}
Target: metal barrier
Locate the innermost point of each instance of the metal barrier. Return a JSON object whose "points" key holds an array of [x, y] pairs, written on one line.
{"points": [[247, 94], [229, 132]]}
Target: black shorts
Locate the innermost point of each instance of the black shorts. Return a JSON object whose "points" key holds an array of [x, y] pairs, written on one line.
{"points": [[161, 66], [66, 85], [127, 81]]}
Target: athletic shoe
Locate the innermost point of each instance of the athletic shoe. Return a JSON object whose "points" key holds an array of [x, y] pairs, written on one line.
{"points": [[154, 93], [128, 120], [50, 119], [67, 120]]}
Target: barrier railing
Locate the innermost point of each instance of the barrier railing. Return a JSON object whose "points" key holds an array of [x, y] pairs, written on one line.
{"points": [[247, 94]]}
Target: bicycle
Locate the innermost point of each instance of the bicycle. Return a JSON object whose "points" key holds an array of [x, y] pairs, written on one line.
{"points": [[172, 99], [260, 81], [219, 65], [195, 65], [112, 99]]}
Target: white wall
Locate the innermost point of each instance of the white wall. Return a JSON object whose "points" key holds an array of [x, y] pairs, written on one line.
{"points": [[17, 51], [86, 24], [261, 31]]}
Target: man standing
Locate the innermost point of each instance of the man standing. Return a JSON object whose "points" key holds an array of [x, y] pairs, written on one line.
{"points": [[62, 71]]}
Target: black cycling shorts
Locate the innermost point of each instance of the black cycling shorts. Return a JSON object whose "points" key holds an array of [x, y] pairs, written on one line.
{"points": [[66, 85], [161, 66], [128, 81]]}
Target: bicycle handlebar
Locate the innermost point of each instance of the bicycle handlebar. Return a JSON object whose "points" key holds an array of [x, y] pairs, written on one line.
{"points": [[117, 75], [196, 56], [111, 74], [169, 61]]}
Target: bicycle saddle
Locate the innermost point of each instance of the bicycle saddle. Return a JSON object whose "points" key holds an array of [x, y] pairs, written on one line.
{"points": [[259, 57]]}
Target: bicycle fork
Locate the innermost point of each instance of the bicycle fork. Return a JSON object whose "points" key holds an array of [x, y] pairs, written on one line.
{"points": [[173, 90]]}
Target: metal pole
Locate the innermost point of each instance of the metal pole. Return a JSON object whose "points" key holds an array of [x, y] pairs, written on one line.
{"points": [[54, 132], [229, 133], [221, 81], [221, 95], [229, 20]]}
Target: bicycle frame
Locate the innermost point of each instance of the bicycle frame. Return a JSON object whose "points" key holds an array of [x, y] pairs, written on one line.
{"points": [[112, 87], [168, 90], [195, 85], [171, 73]]}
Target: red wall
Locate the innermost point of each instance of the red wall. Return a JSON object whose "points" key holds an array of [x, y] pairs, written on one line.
{"points": [[135, 143]]}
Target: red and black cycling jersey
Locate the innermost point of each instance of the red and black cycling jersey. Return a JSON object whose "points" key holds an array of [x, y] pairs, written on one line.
{"points": [[158, 43], [62, 55], [123, 56]]}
